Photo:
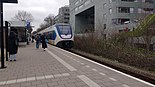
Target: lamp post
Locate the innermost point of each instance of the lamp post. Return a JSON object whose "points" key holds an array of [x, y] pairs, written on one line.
{"points": [[7, 25], [2, 31], [26, 32], [2, 37]]}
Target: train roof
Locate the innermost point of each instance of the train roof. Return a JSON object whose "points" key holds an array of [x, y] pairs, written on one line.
{"points": [[62, 24], [48, 29]]}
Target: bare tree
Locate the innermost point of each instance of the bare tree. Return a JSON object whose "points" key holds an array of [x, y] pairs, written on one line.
{"points": [[42, 26], [23, 16], [50, 19]]}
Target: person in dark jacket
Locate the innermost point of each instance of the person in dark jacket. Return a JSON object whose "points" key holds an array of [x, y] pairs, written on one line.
{"points": [[43, 41], [33, 38], [13, 45], [38, 40]]}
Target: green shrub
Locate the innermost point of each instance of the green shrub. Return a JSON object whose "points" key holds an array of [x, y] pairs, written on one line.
{"points": [[116, 50]]}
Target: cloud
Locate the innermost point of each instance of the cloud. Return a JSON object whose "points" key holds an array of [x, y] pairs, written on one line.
{"points": [[38, 8]]}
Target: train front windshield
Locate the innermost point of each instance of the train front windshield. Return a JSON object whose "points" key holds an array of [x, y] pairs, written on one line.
{"points": [[65, 31]]}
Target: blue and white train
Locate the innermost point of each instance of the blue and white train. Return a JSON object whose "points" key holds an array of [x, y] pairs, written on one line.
{"points": [[60, 35]]}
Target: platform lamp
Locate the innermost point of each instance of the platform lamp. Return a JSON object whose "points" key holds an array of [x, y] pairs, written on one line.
{"points": [[2, 35]]}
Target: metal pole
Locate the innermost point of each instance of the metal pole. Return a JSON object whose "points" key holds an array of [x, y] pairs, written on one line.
{"points": [[2, 37], [6, 39]]}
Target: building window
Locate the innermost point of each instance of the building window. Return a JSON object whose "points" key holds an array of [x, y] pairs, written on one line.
{"points": [[77, 2], [76, 9], [104, 26], [148, 1], [131, 10], [104, 16], [66, 18], [87, 2], [114, 21], [104, 5], [66, 14], [110, 11], [145, 10], [130, 0], [110, 1], [120, 21], [80, 6], [148, 10], [139, 10], [125, 10], [67, 10]]}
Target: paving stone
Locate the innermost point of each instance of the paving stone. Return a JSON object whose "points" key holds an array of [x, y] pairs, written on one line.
{"points": [[62, 82], [15, 85], [21, 80], [25, 84], [60, 86], [11, 81], [46, 81], [3, 82], [40, 77], [71, 85], [53, 84], [4, 85], [32, 86], [80, 84], [49, 76], [55, 80], [36, 83], [42, 85]]}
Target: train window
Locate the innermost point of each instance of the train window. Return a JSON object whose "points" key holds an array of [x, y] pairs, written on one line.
{"points": [[52, 35]]}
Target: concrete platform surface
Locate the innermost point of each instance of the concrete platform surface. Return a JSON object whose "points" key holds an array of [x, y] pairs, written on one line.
{"points": [[58, 68]]}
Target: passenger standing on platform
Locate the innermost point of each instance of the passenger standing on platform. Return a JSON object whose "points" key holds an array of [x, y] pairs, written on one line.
{"points": [[37, 38], [13, 45], [33, 38], [44, 42]]}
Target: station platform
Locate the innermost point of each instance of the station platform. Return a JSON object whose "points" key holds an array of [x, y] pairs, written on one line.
{"points": [[58, 68]]}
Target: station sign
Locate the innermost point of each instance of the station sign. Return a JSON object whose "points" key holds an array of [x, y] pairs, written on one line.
{"points": [[9, 1]]}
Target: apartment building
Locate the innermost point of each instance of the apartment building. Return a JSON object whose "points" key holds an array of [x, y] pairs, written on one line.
{"points": [[63, 15], [108, 16]]}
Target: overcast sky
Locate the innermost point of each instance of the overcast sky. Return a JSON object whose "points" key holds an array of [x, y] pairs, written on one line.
{"points": [[38, 8]]}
